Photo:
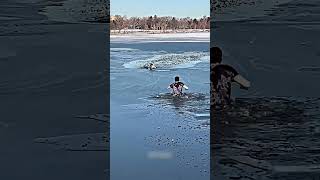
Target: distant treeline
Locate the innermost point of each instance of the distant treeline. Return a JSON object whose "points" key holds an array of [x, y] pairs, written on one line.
{"points": [[118, 22]]}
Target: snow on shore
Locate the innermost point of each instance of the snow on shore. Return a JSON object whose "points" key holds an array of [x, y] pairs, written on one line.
{"points": [[164, 37]]}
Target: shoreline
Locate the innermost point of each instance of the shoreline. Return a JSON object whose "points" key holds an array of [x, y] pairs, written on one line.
{"points": [[145, 37], [169, 31]]}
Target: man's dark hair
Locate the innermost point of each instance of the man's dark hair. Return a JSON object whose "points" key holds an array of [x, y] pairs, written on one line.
{"points": [[215, 55], [176, 78]]}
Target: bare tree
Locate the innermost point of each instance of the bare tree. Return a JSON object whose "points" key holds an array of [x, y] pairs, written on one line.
{"points": [[164, 23]]}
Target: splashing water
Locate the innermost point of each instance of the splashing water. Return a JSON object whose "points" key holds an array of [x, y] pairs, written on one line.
{"points": [[173, 60]]}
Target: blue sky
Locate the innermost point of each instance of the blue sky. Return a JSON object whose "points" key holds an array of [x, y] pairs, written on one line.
{"points": [[177, 8]]}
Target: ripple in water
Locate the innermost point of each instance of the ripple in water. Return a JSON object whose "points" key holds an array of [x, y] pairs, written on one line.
{"points": [[192, 104]]}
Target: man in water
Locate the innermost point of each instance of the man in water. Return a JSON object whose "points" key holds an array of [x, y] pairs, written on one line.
{"points": [[177, 87], [222, 76]]}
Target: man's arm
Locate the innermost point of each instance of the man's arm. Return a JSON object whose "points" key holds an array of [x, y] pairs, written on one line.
{"points": [[185, 87], [244, 83]]}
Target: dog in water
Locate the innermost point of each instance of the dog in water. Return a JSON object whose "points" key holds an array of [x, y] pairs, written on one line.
{"points": [[150, 66]]}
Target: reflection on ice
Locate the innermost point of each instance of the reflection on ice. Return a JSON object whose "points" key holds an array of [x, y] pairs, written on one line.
{"points": [[160, 155]]}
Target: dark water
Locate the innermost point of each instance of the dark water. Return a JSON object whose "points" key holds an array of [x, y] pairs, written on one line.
{"points": [[154, 135], [49, 76], [272, 130], [267, 137]]}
